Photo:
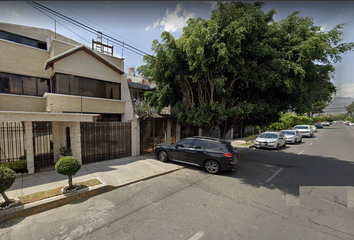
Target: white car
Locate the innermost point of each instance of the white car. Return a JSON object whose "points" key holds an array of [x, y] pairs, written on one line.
{"points": [[305, 130], [270, 140], [326, 124], [314, 128], [351, 124], [292, 136]]}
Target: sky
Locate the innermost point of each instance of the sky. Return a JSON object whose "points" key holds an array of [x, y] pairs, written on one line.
{"points": [[138, 23]]}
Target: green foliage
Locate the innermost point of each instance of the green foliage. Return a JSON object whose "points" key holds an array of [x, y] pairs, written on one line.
{"points": [[68, 166], [241, 67], [318, 107], [143, 108], [250, 138], [65, 151], [350, 108], [340, 116], [7, 178], [286, 121], [18, 166], [318, 119], [350, 119]]}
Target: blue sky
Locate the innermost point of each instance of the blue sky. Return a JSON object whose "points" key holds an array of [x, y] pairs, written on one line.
{"points": [[139, 23]]}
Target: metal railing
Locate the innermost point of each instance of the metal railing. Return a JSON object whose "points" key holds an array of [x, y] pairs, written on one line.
{"points": [[12, 142]]}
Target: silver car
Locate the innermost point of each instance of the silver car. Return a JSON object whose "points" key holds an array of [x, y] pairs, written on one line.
{"points": [[270, 140], [306, 130], [292, 136]]}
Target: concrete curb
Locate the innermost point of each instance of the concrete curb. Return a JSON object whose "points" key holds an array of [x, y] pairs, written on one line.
{"points": [[57, 201]]}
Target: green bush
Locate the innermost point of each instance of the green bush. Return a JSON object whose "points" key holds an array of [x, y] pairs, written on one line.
{"points": [[65, 151], [7, 178], [68, 166], [18, 166], [250, 138]]}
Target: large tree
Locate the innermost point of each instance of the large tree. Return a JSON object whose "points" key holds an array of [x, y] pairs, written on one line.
{"points": [[242, 67]]}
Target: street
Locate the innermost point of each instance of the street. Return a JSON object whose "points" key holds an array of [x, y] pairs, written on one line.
{"points": [[303, 191]]}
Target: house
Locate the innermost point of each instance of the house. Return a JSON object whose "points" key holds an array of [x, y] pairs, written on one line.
{"points": [[53, 85]]}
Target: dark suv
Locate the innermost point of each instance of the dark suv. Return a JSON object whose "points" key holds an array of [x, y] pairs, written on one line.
{"points": [[211, 153]]}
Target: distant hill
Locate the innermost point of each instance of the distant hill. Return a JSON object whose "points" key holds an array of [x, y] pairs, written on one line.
{"points": [[337, 105]]}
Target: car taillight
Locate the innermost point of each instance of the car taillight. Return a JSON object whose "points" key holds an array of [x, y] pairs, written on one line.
{"points": [[228, 154]]}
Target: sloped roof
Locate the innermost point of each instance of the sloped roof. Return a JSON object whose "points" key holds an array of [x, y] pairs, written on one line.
{"points": [[49, 63]]}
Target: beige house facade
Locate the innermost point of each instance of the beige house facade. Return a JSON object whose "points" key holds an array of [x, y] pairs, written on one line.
{"points": [[47, 77]]}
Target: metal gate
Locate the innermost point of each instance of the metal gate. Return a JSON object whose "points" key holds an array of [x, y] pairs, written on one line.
{"points": [[42, 144], [102, 141], [12, 141]]}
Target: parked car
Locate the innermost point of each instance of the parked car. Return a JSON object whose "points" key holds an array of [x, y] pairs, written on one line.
{"points": [[326, 124], [351, 124], [270, 140], [318, 125], [292, 136], [314, 129], [305, 130], [213, 154]]}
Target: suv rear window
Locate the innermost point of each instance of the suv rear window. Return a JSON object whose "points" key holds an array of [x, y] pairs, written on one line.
{"points": [[214, 146]]}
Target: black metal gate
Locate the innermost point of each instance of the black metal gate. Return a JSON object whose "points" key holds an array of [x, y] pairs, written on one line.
{"points": [[12, 141], [42, 144], [102, 141]]}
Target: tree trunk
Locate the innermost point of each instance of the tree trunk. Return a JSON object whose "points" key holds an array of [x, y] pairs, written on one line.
{"points": [[5, 197], [70, 181]]}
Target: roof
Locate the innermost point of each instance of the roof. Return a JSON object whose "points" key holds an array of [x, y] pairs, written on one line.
{"points": [[49, 63], [142, 86]]}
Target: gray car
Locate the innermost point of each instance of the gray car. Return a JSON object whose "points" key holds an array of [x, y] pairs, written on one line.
{"points": [[306, 130], [270, 140], [292, 136]]}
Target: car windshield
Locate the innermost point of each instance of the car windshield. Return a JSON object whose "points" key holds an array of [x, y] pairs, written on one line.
{"points": [[268, 135], [288, 133], [301, 127]]}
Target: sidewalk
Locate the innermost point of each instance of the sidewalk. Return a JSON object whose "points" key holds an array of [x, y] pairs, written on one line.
{"points": [[113, 173]]}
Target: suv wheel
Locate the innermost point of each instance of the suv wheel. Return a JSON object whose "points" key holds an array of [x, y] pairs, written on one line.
{"points": [[162, 155], [212, 166], [277, 146]]}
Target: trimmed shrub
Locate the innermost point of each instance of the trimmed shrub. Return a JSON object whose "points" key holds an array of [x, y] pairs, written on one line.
{"points": [[7, 178], [18, 166], [68, 166]]}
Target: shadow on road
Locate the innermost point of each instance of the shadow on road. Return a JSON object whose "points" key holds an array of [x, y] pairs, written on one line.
{"points": [[258, 165]]}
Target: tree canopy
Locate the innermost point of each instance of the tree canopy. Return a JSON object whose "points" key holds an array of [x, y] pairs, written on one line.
{"points": [[241, 67], [350, 108]]}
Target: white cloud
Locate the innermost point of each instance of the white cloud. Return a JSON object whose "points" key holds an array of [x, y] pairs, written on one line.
{"points": [[13, 13], [172, 21], [324, 27]]}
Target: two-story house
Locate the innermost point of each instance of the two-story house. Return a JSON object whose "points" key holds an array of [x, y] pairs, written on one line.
{"points": [[52, 81]]}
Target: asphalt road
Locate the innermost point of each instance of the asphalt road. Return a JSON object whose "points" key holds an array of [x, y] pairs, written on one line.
{"points": [[303, 191]]}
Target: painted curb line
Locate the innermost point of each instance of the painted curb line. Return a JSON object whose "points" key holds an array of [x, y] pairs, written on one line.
{"points": [[57, 201]]}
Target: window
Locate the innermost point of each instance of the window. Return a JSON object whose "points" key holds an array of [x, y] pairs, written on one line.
{"points": [[80, 86], [214, 147], [198, 144], [23, 85], [186, 143], [23, 40]]}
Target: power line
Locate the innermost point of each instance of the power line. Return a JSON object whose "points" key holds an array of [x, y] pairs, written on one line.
{"points": [[50, 3], [92, 30], [59, 23]]}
